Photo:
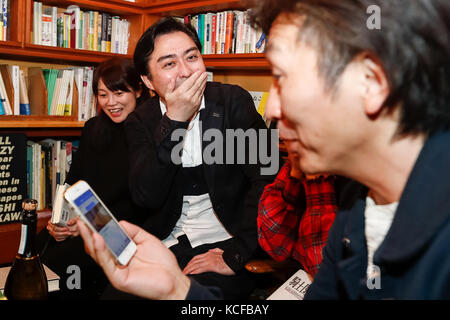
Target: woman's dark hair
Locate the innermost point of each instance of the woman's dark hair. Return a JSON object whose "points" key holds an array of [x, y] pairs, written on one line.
{"points": [[119, 74], [146, 43], [412, 46]]}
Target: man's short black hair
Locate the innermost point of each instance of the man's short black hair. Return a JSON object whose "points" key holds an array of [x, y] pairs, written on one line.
{"points": [[146, 43], [413, 47]]}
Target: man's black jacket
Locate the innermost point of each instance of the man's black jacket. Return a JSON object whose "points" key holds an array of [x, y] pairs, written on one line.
{"points": [[234, 189]]}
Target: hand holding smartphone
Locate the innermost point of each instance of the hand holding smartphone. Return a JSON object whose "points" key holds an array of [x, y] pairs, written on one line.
{"points": [[86, 203]]}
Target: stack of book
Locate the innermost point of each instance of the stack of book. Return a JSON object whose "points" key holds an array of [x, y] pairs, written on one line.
{"points": [[78, 29], [226, 32]]}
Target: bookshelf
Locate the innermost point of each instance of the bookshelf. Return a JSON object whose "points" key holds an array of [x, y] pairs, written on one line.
{"points": [[141, 14], [251, 71]]}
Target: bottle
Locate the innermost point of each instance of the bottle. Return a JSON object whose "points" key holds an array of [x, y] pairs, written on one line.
{"points": [[26, 279]]}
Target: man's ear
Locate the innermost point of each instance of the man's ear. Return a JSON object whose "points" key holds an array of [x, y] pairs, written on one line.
{"points": [[375, 85], [147, 82]]}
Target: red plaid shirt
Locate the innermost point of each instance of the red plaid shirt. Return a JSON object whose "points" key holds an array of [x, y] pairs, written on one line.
{"points": [[286, 229]]}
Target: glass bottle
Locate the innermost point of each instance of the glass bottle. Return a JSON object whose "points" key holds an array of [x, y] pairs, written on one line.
{"points": [[26, 279]]}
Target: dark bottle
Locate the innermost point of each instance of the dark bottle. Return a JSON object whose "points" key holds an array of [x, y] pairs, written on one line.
{"points": [[26, 279]]}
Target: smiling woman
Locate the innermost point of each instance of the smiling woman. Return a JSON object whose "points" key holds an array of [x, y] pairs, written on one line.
{"points": [[117, 87], [102, 161]]}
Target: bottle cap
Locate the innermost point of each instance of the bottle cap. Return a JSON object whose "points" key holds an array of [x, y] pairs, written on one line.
{"points": [[29, 204]]}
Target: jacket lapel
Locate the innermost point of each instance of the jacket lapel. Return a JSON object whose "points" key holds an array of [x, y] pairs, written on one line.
{"points": [[212, 117]]}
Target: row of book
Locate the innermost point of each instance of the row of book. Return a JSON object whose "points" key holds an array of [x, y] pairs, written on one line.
{"points": [[226, 32], [13, 91], [4, 18], [62, 90], [74, 28], [61, 85], [48, 162]]}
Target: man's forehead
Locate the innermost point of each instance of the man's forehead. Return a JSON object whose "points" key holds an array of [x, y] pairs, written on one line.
{"points": [[280, 42]]}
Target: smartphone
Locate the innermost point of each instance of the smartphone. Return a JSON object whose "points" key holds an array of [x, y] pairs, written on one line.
{"points": [[88, 205]]}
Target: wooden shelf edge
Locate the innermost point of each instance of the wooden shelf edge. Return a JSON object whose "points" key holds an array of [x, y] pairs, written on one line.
{"points": [[33, 52], [24, 123], [254, 60], [113, 6], [69, 54], [13, 44], [180, 6]]}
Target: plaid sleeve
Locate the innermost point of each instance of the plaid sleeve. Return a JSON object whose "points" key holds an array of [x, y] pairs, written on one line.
{"points": [[321, 208], [279, 216]]}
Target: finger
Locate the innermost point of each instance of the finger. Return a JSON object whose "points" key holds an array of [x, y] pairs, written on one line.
{"points": [[72, 222], [137, 234], [190, 85], [197, 87], [57, 229], [195, 263], [197, 267]]}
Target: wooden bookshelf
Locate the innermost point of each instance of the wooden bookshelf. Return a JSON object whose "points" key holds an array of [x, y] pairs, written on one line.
{"points": [[141, 14], [251, 71]]}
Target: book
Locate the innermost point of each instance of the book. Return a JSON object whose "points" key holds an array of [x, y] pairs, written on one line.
{"points": [[62, 211], [23, 97], [2, 110], [260, 100], [46, 25], [52, 278], [228, 32], [15, 99], [5, 17], [74, 11], [294, 288], [69, 98], [4, 97]]}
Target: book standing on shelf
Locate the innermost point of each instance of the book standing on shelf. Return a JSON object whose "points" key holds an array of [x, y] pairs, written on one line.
{"points": [[226, 32], [4, 19], [47, 164], [78, 29]]}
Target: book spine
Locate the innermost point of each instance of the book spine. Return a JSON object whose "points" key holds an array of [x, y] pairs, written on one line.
{"points": [[1, 22], [108, 33], [54, 27], [14, 71], [2, 110], [95, 31], [228, 32], [5, 11], [99, 31], [213, 33], [91, 30]]}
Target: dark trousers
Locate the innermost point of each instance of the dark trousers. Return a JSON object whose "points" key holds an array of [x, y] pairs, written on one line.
{"points": [[238, 286]]}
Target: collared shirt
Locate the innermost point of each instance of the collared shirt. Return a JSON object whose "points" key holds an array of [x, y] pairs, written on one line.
{"points": [[286, 229], [197, 221]]}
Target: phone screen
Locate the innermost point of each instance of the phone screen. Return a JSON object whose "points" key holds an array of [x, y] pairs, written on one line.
{"points": [[101, 220]]}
